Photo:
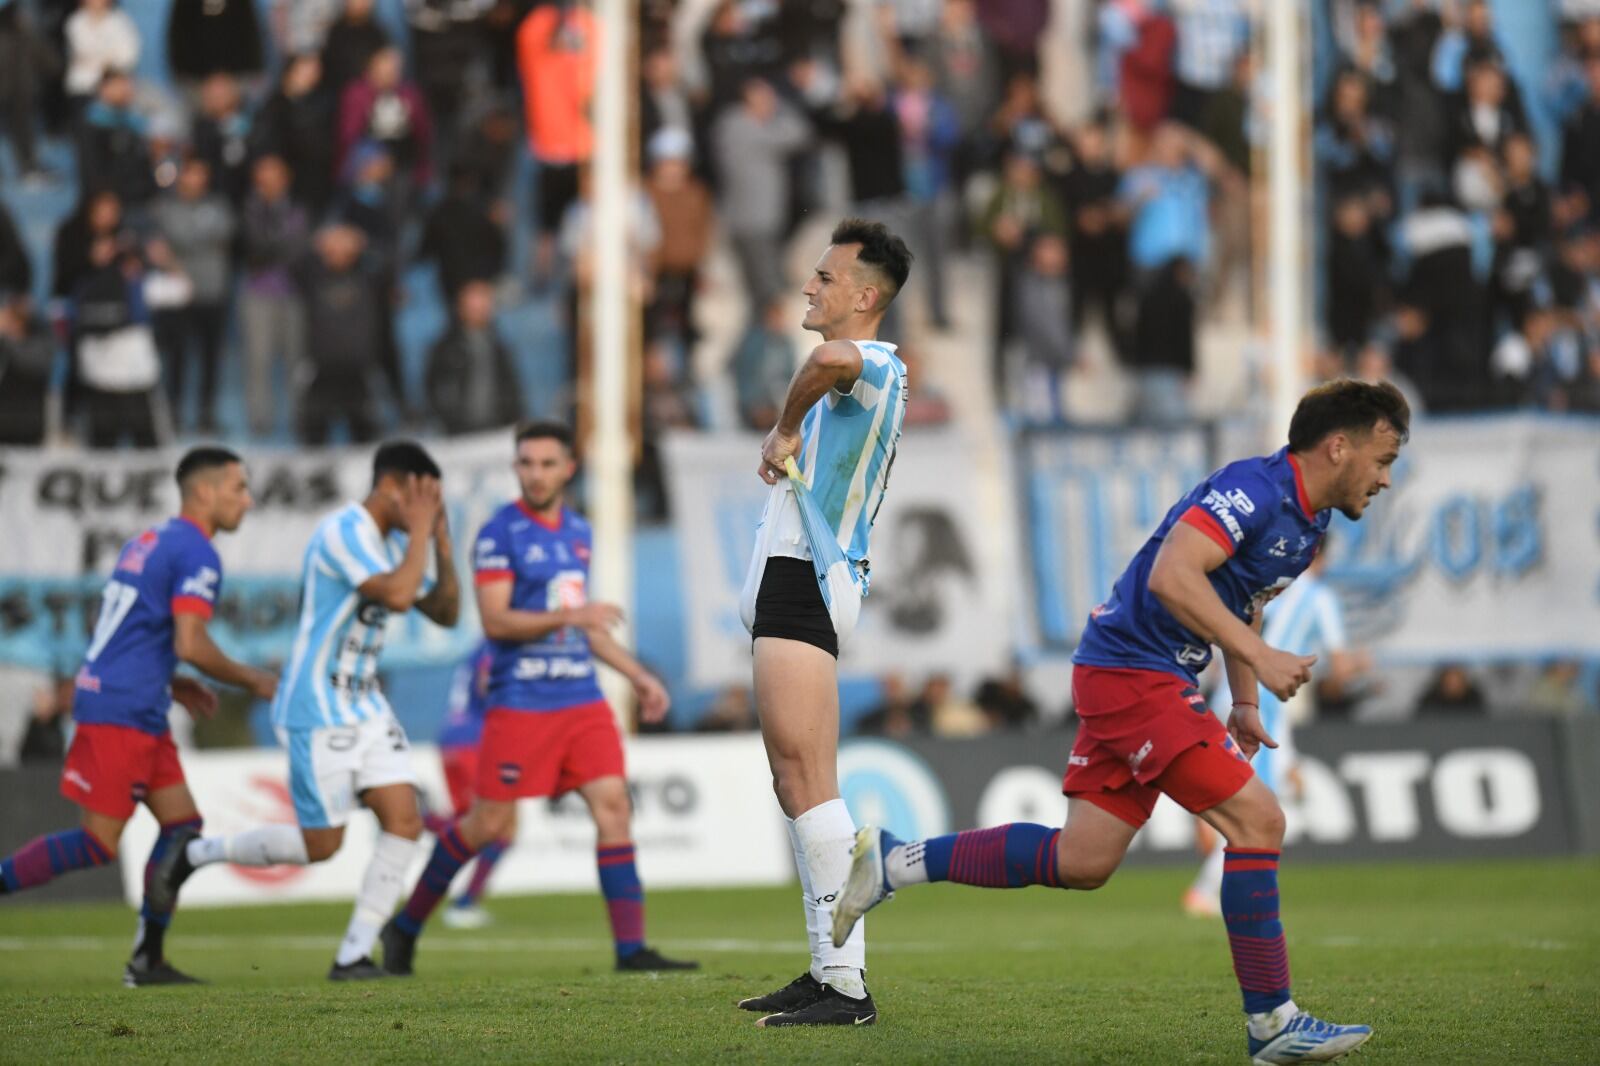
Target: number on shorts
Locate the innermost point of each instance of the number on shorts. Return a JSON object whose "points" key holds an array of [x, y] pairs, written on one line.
{"points": [[115, 603]]}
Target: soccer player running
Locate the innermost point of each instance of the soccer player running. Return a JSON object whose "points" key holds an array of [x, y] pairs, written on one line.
{"points": [[459, 738], [548, 730], [346, 748], [153, 614], [840, 422], [1306, 620], [1224, 551]]}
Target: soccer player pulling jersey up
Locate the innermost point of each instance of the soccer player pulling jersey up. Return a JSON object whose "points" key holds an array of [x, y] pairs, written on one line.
{"points": [[153, 613], [345, 746], [1230, 546], [547, 730]]}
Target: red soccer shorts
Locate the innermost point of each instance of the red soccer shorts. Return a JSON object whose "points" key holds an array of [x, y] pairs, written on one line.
{"points": [[460, 776], [1142, 733], [545, 753], [110, 769]]}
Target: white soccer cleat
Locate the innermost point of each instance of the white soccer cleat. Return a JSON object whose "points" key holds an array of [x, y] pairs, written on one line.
{"points": [[1308, 1039], [868, 883], [473, 917]]}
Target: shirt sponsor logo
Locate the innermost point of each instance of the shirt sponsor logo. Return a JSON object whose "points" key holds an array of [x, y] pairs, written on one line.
{"points": [[75, 778], [1223, 507], [1139, 756], [552, 669], [202, 584], [1280, 547]]}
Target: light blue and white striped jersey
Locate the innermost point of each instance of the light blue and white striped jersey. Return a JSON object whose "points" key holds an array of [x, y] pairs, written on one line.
{"points": [[332, 675], [847, 447], [1305, 620]]}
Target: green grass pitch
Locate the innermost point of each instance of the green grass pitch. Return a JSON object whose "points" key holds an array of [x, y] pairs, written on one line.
{"points": [[1492, 962]]}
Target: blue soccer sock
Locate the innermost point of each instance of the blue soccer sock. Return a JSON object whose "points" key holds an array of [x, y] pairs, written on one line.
{"points": [[1006, 856], [619, 883], [44, 858], [152, 922], [1255, 935], [450, 854]]}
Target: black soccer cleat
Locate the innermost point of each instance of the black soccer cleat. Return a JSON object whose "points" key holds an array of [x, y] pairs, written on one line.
{"points": [[161, 887], [399, 948], [832, 1007], [141, 973], [649, 960], [801, 992], [363, 969]]}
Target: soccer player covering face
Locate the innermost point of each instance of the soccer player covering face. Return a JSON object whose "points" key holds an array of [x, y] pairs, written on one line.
{"points": [[153, 614], [346, 749], [1225, 550], [840, 423], [547, 729]]}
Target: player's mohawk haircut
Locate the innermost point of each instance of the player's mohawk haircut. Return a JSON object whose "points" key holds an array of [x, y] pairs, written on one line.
{"points": [[205, 457], [880, 249]]}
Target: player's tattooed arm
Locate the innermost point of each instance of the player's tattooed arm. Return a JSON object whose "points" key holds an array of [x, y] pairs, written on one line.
{"points": [[1178, 579], [833, 365], [194, 645], [442, 604]]}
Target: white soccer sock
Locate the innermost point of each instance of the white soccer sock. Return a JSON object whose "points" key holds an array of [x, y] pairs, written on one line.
{"points": [[1209, 880], [814, 934], [379, 895], [825, 834], [1268, 1024], [268, 845], [906, 864]]}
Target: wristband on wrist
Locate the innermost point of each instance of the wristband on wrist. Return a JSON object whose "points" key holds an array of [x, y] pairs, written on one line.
{"points": [[1247, 703]]}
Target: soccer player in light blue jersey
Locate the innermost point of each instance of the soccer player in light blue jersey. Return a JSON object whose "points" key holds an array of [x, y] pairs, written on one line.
{"points": [[153, 614], [840, 424], [346, 748]]}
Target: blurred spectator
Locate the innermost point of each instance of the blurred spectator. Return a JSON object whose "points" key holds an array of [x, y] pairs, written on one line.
{"points": [[1043, 299], [1168, 197], [112, 153], [901, 714], [1357, 272], [447, 46], [1536, 362], [966, 73], [16, 269], [762, 365], [44, 742], [1444, 347], [874, 151], [382, 108], [118, 371], [1580, 145], [207, 37], [948, 713], [1370, 53], [1467, 40], [27, 358], [464, 235], [663, 101], [1137, 41], [99, 214], [1558, 692], [1211, 36], [345, 334], [1451, 693], [28, 62], [198, 225], [1021, 209], [1016, 27], [733, 712], [352, 40], [300, 26], [683, 206], [1097, 236], [1521, 229], [556, 50], [929, 131], [751, 145], [294, 123], [1355, 148], [1423, 110], [1484, 118], [100, 38], [221, 136], [1585, 392], [471, 381], [1006, 702], [274, 235], [742, 41]]}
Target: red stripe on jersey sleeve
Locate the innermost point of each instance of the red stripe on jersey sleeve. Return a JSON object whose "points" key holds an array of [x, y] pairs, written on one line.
{"points": [[1201, 519], [489, 577], [191, 605]]}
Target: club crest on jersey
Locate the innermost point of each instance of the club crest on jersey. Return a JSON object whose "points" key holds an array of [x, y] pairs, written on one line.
{"points": [[510, 773], [1196, 701], [534, 554]]}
